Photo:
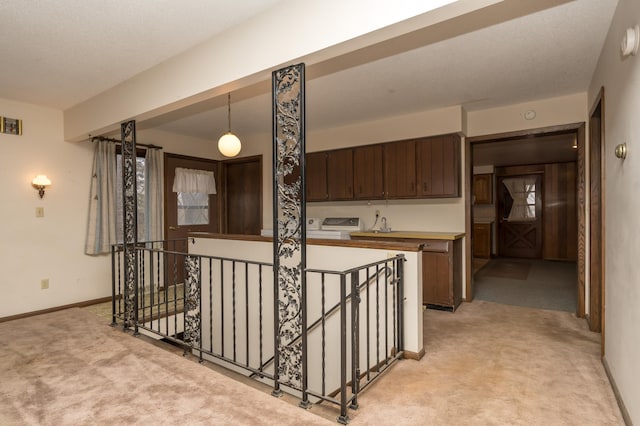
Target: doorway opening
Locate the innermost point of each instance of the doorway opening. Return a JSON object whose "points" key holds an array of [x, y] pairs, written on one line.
{"points": [[526, 218]]}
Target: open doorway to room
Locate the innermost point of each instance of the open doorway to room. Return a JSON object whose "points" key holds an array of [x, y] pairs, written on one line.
{"points": [[527, 218]]}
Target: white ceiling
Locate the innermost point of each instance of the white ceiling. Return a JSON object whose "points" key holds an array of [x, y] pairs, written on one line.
{"points": [[63, 52]]}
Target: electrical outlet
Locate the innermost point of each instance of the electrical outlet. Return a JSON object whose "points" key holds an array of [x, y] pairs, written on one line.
{"points": [[44, 284], [39, 211]]}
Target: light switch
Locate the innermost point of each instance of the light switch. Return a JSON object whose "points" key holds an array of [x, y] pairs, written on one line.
{"points": [[39, 211]]}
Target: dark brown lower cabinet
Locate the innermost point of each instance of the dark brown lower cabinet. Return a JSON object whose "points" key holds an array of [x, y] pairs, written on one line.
{"points": [[442, 273]]}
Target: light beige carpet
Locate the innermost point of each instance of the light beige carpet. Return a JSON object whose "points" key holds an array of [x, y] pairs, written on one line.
{"points": [[492, 364], [70, 368]]}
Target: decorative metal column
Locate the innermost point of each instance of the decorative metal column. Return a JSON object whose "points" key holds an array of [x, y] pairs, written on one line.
{"points": [[130, 223], [289, 239], [192, 302]]}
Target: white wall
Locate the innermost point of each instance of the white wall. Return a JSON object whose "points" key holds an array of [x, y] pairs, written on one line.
{"points": [[549, 112], [52, 247], [621, 80]]}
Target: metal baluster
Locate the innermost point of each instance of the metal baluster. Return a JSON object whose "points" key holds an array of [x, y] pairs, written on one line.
{"points": [[386, 315], [400, 272], [377, 318], [222, 307], [211, 305], [233, 305], [260, 311], [343, 418], [246, 308], [113, 286], [324, 334], [355, 338], [367, 325]]}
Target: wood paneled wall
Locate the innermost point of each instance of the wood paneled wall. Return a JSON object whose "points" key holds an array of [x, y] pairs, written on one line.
{"points": [[560, 238]]}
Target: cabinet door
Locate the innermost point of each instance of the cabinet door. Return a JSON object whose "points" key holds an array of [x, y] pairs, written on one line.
{"points": [[439, 166], [482, 240], [368, 172], [400, 169], [436, 279], [482, 189], [316, 165], [340, 174]]}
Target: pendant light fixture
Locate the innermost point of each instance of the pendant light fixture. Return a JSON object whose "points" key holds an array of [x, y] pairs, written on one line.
{"points": [[229, 145]]}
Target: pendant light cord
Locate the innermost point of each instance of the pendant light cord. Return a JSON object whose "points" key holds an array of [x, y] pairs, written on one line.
{"points": [[229, 110]]}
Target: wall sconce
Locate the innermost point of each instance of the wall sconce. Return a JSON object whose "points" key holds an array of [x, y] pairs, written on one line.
{"points": [[40, 182]]}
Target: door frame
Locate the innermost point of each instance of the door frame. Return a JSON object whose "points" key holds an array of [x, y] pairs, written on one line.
{"points": [[573, 128], [222, 201], [597, 259]]}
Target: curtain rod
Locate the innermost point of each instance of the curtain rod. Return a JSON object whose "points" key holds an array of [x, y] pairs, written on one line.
{"points": [[118, 141]]}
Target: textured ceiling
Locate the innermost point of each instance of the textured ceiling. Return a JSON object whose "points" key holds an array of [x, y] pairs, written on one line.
{"points": [[59, 53], [550, 53]]}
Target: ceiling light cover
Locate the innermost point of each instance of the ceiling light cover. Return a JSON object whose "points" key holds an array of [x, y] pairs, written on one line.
{"points": [[229, 145]]}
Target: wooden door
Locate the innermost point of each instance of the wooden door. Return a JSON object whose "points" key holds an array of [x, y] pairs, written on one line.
{"points": [[340, 174], [596, 257], [520, 237], [242, 196], [185, 213], [400, 169], [560, 240], [316, 169], [368, 172], [438, 166]]}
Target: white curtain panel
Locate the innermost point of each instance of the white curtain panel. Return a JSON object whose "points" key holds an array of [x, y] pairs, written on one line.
{"points": [[154, 202], [523, 192], [195, 181], [101, 226]]}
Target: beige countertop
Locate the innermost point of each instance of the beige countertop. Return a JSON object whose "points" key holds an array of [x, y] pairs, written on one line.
{"points": [[418, 235]]}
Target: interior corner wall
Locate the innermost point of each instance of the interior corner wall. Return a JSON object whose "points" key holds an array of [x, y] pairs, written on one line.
{"points": [[620, 78], [549, 112], [51, 247]]}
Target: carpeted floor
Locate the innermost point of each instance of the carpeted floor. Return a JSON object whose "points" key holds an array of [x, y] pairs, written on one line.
{"points": [[485, 364], [528, 282], [70, 368], [493, 364]]}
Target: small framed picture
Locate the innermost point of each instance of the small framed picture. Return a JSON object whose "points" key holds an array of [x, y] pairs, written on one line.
{"points": [[11, 126]]}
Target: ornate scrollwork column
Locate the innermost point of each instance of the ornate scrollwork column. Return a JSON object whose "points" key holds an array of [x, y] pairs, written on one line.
{"points": [[192, 319], [289, 239], [130, 223]]}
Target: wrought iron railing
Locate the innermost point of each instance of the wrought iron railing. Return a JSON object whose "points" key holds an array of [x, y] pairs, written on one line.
{"points": [[222, 310]]}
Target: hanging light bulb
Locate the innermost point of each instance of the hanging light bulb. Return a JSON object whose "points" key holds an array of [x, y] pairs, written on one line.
{"points": [[229, 145]]}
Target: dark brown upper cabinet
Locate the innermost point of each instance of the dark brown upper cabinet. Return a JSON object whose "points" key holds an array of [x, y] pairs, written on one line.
{"points": [[483, 188], [368, 172], [340, 174], [316, 176], [438, 168], [400, 169]]}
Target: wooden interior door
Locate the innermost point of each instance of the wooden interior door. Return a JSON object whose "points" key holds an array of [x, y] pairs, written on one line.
{"points": [[177, 225], [596, 271], [519, 238], [242, 196]]}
